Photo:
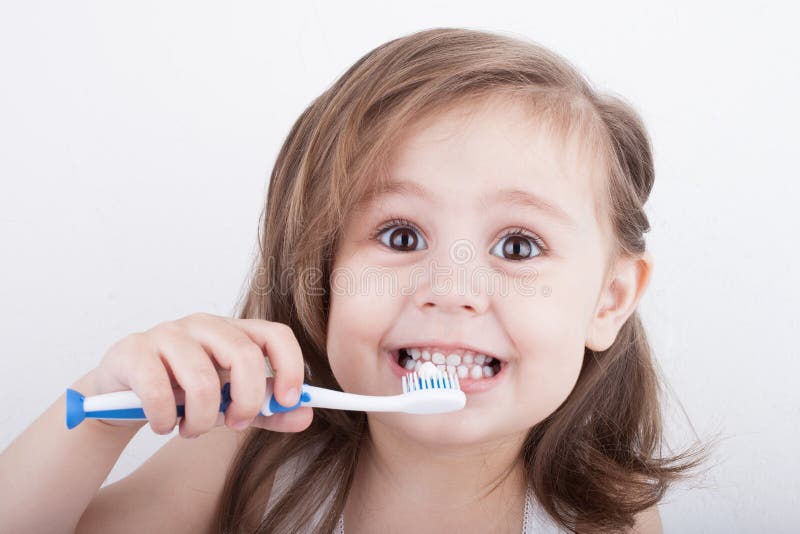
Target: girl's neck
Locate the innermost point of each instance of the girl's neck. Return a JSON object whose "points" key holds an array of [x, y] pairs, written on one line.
{"points": [[472, 487]]}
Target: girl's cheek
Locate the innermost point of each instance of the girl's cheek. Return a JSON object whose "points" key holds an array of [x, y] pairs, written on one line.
{"points": [[357, 324], [548, 330]]}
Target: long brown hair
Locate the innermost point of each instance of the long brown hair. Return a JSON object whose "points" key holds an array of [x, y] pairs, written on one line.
{"points": [[593, 463]]}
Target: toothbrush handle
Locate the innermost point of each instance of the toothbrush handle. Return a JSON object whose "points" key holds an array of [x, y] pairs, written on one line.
{"points": [[271, 405], [127, 405], [119, 405]]}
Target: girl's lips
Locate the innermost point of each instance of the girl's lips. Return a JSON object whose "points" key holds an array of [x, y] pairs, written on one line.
{"points": [[468, 385]]}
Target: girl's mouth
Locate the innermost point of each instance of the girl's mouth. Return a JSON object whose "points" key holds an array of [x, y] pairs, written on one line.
{"points": [[476, 372]]}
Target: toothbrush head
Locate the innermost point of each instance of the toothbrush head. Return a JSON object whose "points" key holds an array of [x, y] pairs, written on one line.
{"points": [[433, 392]]}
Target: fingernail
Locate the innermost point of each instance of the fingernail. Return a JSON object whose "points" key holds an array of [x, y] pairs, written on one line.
{"points": [[241, 425], [293, 395]]}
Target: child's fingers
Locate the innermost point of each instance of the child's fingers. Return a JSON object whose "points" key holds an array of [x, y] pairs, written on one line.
{"points": [[236, 353], [284, 353], [195, 353], [196, 375], [151, 383], [293, 421]]}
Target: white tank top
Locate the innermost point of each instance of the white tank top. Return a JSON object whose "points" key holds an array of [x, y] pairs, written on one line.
{"points": [[534, 520]]}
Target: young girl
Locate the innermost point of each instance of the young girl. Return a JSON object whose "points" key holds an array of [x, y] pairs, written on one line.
{"points": [[456, 196]]}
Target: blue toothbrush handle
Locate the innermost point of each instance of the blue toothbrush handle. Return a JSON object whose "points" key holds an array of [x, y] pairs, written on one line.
{"points": [[126, 405]]}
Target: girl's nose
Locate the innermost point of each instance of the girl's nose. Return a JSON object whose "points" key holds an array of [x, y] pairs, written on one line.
{"points": [[455, 304], [453, 283]]}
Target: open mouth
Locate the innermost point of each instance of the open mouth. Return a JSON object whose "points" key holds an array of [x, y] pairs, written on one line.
{"points": [[467, 364]]}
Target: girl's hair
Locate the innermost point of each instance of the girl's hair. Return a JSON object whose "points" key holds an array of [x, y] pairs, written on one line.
{"points": [[594, 462]]}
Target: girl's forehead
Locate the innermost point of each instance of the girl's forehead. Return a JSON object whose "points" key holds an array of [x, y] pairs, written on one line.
{"points": [[493, 154]]}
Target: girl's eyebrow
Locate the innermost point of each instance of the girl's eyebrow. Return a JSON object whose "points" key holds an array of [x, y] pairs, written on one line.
{"points": [[527, 199], [394, 187], [403, 187], [517, 197]]}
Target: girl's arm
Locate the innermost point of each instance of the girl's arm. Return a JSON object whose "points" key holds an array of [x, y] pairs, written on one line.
{"points": [[49, 475], [176, 490]]}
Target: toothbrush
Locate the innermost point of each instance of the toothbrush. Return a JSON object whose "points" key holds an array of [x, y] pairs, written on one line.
{"points": [[428, 392]]}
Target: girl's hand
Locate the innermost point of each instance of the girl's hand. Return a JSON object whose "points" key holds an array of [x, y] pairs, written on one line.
{"points": [[196, 355]]}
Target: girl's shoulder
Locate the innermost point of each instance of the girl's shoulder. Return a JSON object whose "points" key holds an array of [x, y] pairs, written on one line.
{"points": [[536, 519]]}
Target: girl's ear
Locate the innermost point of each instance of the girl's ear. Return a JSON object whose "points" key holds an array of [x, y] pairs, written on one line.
{"points": [[618, 299]]}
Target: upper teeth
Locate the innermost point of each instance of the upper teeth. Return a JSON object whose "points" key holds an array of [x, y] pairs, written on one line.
{"points": [[450, 357]]}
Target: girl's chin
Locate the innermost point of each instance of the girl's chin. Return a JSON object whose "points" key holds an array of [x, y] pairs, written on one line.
{"points": [[464, 427]]}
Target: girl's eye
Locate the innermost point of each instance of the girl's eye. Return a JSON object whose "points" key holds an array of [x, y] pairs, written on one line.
{"points": [[517, 245], [403, 236]]}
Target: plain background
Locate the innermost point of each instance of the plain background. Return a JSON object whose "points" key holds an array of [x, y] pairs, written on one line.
{"points": [[136, 140]]}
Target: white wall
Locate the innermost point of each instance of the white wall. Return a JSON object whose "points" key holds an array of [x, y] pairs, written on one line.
{"points": [[136, 140]]}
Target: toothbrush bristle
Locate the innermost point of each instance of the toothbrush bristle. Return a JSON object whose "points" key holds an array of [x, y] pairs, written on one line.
{"points": [[413, 382]]}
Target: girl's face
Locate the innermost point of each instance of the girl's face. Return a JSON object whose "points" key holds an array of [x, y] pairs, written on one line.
{"points": [[429, 263]]}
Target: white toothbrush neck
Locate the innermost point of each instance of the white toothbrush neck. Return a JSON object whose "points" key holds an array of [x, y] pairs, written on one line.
{"points": [[339, 400]]}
